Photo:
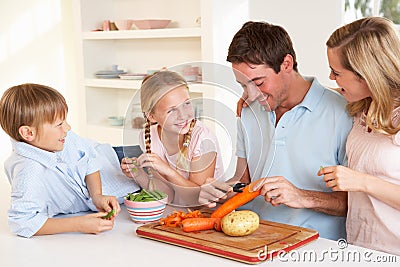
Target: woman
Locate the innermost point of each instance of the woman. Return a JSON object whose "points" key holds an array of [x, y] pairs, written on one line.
{"points": [[364, 57]]}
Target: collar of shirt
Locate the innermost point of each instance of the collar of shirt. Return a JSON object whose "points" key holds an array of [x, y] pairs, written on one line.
{"points": [[313, 95], [44, 157], [310, 100]]}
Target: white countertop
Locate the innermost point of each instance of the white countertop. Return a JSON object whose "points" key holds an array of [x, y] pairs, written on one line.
{"points": [[122, 247]]}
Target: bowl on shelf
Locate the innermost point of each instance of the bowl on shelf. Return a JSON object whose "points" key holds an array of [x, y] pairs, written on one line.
{"points": [[132, 76], [145, 24], [116, 120], [124, 24], [146, 211]]}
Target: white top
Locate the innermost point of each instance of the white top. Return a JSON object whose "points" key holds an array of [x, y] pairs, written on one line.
{"points": [[202, 141], [370, 222]]}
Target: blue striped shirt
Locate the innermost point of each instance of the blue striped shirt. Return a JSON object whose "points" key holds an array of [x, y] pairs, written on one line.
{"points": [[45, 184]]}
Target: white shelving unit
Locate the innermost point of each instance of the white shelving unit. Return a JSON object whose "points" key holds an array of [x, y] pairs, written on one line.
{"points": [[137, 51], [144, 34]]}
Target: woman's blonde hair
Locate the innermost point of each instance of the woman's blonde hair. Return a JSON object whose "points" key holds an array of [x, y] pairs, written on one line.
{"points": [[153, 88], [30, 105], [370, 47]]}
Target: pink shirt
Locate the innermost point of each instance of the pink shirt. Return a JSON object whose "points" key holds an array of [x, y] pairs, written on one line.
{"points": [[203, 141], [370, 222]]}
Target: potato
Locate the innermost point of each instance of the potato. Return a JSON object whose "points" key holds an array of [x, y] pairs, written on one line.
{"points": [[240, 223]]}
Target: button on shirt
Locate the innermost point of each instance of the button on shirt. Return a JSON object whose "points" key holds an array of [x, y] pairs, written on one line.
{"points": [[45, 184], [310, 135]]}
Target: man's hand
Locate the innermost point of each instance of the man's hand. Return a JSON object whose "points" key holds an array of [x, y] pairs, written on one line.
{"points": [[277, 190]]}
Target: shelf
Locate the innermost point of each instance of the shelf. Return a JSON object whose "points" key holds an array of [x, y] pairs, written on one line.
{"points": [[135, 51], [114, 83], [144, 34], [132, 84]]}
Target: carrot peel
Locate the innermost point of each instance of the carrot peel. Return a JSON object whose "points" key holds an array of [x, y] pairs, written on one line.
{"points": [[176, 218]]}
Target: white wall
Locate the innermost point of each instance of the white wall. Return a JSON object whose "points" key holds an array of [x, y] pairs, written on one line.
{"points": [[309, 24], [308, 30], [37, 42], [36, 46]]}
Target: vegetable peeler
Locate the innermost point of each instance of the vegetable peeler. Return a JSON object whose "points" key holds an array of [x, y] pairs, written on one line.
{"points": [[239, 187]]}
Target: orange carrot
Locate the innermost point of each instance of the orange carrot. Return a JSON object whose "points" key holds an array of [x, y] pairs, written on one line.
{"points": [[217, 224], [235, 202], [200, 224]]}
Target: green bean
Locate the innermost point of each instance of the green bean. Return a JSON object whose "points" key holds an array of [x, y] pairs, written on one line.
{"points": [[145, 196], [109, 215], [161, 195]]}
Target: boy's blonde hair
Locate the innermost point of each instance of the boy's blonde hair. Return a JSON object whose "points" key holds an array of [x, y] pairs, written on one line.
{"points": [[370, 47], [153, 88], [30, 105]]}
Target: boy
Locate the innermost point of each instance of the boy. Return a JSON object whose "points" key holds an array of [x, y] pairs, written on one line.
{"points": [[52, 170]]}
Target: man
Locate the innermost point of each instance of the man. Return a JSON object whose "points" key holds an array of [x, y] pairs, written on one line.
{"points": [[292, 126]]}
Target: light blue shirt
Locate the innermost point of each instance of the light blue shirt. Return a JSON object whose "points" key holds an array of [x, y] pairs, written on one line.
{"points": [[45, 184], [310, 135]]}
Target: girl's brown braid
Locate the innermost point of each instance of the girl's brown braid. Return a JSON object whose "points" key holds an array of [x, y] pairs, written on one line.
{"points": [[182, 160], [147, 139]]}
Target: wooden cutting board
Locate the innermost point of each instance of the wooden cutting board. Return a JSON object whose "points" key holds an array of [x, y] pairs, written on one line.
{"points": [[266, 242]]}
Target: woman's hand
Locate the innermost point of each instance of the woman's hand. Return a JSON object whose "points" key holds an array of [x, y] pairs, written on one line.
{"points": [[241, 104], [341, 178], [106, 204]]}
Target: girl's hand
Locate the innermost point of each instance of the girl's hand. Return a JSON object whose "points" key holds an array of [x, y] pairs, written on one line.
{"points": [[130, 168], [341, 178], [106, 204], [93, 223], [213, 191], [153, 161]]}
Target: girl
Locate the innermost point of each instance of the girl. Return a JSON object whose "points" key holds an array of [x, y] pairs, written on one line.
{"points": [[364, 57], [180, 151]]}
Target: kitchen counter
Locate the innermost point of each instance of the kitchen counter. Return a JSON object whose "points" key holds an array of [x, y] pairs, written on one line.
{"points": [[122, 247]]}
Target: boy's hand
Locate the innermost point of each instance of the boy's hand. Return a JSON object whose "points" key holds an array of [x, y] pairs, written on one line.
{"points": [[94, 224], [107, 203]]}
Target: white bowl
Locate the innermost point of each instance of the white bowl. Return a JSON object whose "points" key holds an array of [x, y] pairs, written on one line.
{"points": [[144, 212], [144, 24], [116, 120], [124, 24]]}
